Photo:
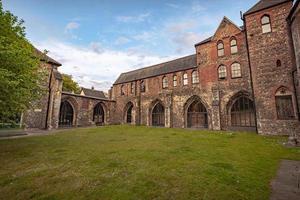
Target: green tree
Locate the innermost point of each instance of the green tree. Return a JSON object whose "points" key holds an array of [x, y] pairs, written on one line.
{"points": [[19, 71], [69, 85]]}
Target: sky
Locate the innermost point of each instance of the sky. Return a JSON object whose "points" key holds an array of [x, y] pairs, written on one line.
{"points": [[97, 40]]}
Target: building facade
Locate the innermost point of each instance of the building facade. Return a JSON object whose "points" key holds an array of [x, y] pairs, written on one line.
{"points": [[240, 78]]}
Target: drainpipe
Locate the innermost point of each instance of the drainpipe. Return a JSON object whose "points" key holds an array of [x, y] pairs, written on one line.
{"points": [[250, 70], [49, 98]]}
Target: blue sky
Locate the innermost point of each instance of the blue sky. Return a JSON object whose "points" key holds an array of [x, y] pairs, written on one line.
{"points": [[96, 40]]}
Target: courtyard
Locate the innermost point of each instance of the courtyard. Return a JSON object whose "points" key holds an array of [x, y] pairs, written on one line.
{"points": [[127, 162]]}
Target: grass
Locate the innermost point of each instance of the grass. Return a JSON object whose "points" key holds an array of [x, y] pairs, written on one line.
{"points": [[124, 162]]}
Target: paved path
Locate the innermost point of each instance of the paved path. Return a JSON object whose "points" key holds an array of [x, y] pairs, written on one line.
{"points": [[286, 185]]}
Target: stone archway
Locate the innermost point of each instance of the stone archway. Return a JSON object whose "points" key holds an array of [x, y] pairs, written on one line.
{"points": [[158, 114], [99, 115], [196, 115], [129, 113], [66, 114]]}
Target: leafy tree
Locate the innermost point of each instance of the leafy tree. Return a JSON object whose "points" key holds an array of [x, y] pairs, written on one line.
{"points": [[19, 68], [69, 85]]}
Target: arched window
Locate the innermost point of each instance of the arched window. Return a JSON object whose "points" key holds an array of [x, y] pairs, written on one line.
{"points": [[284, 104], [233, 46], [220, 47], [175, 81], [185, 79], [242, 113], [158, 115], [222, 72], [98, 115], [66, 114], [236, 70], [129, 113], [195, 77], [122, 90], [165, 82], [142, 86], [266, 24], [197, 115]]}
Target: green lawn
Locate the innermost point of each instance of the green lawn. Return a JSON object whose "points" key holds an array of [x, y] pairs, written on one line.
{"points": [[124, 162]]}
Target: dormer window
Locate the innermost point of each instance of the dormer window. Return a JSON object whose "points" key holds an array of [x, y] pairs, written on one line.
{"points": [[165, 82], [220, 48], [266, 24], [233, 46]]}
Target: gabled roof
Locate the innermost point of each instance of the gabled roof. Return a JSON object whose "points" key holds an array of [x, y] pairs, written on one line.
{"points": [[93, 93], [211, 38], [264, 4], [180, 64], [46, 58], [226, 20]]}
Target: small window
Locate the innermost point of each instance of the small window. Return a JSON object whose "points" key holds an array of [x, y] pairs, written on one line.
{"points": [[165, 82], [122, 90], [132, 88], [220, 48], [278, 63], [143, 87], [175, 81], [233, 46], [222, 72], [236, 70], [185, 79], [266, 24], [195, 77], [284, 104]]}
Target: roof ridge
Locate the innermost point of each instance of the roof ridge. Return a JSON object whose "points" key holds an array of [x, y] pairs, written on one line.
{"points": [[158, 64]]}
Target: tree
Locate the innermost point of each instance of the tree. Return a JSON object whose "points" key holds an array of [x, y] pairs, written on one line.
{"points": [[19, 68], [69, 85]]}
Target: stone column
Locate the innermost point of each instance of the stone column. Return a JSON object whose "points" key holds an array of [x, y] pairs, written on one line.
{"points": [[215, 111]]}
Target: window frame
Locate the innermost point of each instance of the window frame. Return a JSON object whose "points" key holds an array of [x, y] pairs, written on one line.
{"points": [[132, 88], [222, 49], [165, 83], [122, 90], [175, 83], [195, 77], [234, 46], [219, 72], [142, 86], [185, 79], [266, 24], [231, 70]]}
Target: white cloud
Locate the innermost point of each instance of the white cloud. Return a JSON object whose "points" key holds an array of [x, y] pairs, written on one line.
{"points": [[172, 5], [97, 68], [122, 40], [181, 26], [144, 36], [72, 26], [133, 19], [197, 7]]}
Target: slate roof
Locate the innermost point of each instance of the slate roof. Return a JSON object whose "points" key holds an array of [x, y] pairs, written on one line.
{"points": [[179, 64], [264, 4], [46, 58], [93, 93]]}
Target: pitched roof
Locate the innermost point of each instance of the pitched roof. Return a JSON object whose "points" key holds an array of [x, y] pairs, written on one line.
{"points": [[179, 64], [264, 4], [93, 93], [46, 58], [204, 41]]}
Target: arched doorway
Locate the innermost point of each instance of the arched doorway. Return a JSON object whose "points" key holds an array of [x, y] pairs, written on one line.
{"points": [[158, 115], [98, 115], [129, 113], [197, 115], [66, 114], [242, 113]]}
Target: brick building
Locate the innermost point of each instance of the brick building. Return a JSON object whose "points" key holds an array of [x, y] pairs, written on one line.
{"points": [[240, 78]]}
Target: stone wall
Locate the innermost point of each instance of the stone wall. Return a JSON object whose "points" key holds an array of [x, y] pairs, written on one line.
{"points": [[83, 108], [265, 50]]}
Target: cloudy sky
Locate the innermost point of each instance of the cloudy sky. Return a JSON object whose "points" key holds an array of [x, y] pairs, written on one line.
{"points": [[96, 40]]}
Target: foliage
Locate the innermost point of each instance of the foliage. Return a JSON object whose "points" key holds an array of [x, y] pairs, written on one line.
{"points": [[126, 162], [19, 74], [69, 85]]}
